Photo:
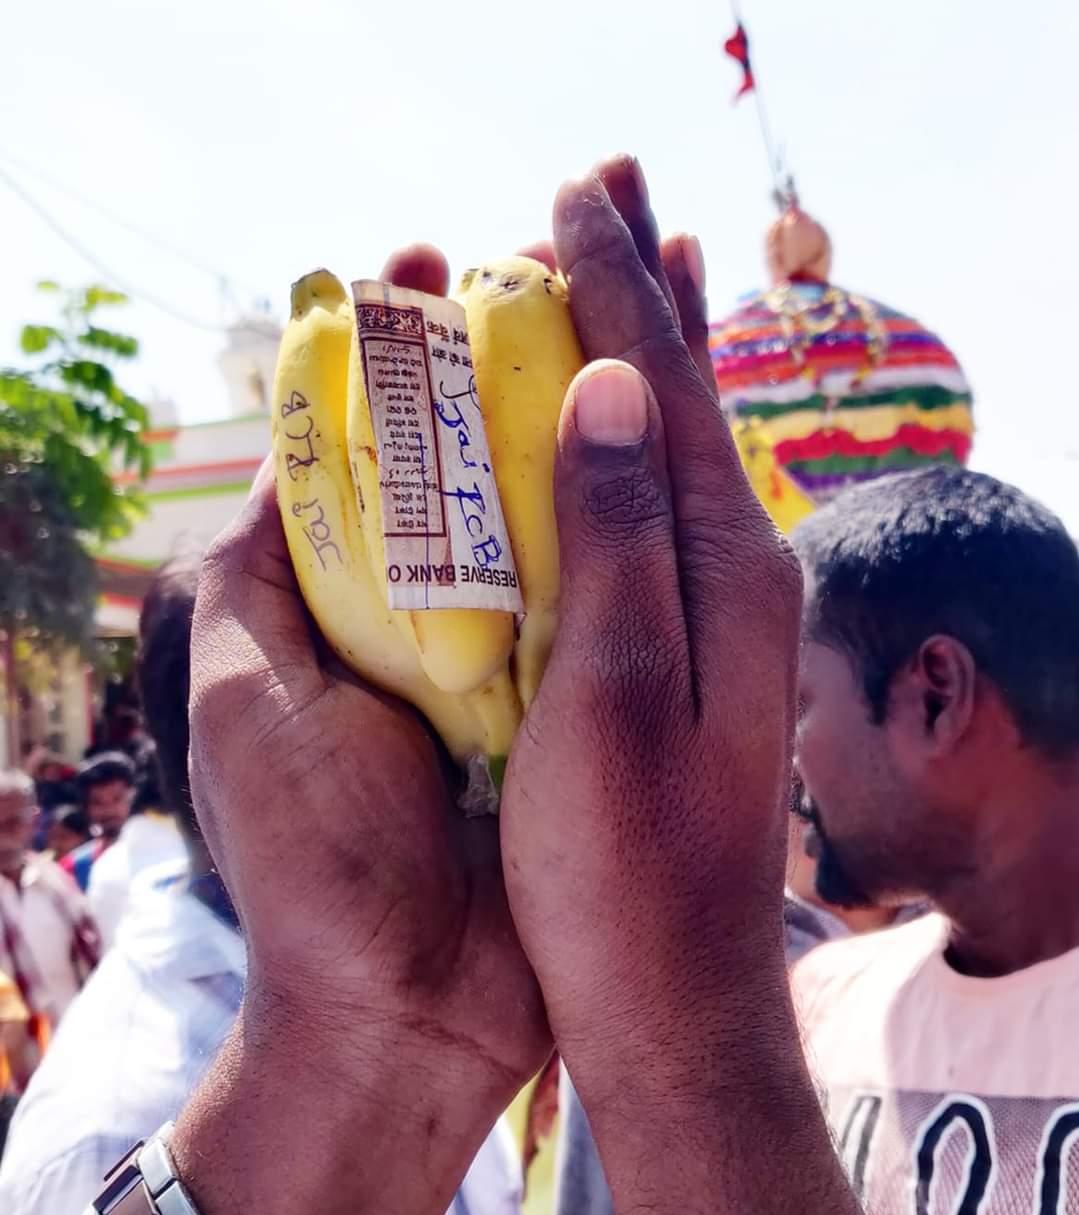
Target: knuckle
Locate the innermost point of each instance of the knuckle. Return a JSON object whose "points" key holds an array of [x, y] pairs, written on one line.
{"points": [[694, 325], [728, 531], [695, 333], [211, 707], [663, 358], [221, 560], [251, 545], [640, 317], [741, 542], [787, 577], [633, 679], [775, 588], [627, 502]]}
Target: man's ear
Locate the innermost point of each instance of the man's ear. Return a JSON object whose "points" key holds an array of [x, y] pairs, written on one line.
{"points": [[942, 678]]}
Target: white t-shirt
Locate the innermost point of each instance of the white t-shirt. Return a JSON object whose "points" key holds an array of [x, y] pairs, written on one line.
{"points": [[147, 839], [41, 919], [134, 1046], [945, 1093]]}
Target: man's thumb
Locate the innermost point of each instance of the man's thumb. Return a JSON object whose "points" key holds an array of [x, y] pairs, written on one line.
{"points": [[619, 566]]}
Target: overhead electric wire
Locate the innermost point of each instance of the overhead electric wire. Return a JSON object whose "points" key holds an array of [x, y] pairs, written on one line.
{"points": [[110, 275], [152, 238]]}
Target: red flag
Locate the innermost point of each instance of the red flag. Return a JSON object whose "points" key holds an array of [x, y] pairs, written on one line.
{"points": [[737, 46]]}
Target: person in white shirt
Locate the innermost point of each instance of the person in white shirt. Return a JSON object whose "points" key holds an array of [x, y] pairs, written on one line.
{"points": [[106, 786], [149, 838], [162, 1002], [48, 942], [939, 746]]}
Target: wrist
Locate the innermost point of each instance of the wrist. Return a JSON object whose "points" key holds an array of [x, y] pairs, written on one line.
{"points": [[763, 1147], [722, 1116], [673, 1033], [688, 1060], [370, 1115]]}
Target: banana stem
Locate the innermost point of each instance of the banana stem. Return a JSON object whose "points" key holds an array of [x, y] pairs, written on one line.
{"points": [[498, 708]]}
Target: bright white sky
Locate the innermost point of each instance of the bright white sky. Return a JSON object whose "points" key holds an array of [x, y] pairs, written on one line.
{"points": [[937, 141]]}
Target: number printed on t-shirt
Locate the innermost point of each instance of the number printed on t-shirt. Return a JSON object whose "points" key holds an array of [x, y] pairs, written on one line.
{"points": [[966, 1155]]}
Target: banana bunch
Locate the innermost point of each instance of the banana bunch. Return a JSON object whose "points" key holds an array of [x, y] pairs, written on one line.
{"points": [[470, 671]]}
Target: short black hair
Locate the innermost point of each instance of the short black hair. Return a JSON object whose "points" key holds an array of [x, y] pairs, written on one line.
{"points": [[102, 769], [949, 551], [72, 818], [163, 671]]}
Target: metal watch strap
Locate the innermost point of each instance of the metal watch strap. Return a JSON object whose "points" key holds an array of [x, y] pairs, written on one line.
{"points": [[145, 1183], [123, 1191]]}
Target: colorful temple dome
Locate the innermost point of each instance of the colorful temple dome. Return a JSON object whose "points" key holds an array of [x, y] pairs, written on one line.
{"points": [[844, 388]]}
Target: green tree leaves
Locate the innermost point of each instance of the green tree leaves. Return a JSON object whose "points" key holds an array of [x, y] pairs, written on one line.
{"points": [[66, 427]]}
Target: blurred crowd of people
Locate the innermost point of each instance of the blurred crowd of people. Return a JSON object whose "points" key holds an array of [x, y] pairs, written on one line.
{"points": [[73, 840], [933, 837]]}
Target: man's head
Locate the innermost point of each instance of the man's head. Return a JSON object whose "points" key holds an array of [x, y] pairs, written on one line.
{"points": [[940, 668], [68, 830], [164, 677], [124, 730], [47, 768], [17, 805], [107, 787]]}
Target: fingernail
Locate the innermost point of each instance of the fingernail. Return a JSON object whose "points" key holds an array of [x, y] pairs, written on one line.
{"points": [[694, 255], [610, 405]]}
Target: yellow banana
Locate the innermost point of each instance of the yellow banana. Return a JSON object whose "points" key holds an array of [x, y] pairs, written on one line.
{"points": [[454, 664], [321, 520], [785, 502], [525, 352]]}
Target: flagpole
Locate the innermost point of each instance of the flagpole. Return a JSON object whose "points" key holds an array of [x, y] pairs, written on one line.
{"points": [[774, 165]]}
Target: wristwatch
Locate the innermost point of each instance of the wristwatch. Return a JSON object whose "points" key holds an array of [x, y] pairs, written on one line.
{"points": [[144, 1183]]}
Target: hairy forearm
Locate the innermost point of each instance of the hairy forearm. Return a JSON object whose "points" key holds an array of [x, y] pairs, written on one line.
{"points": [[724, 1119], [293, 1127], [752, 1152]]}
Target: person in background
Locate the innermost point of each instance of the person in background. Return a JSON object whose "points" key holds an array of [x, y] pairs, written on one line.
{"points": [[156, 1009], [48, 941], [69, 829], [19, 1051], [162, 1002], [53, 778], [150, 837], [106, 786], [126, 733], [121, 729], [54, 785], [939, 748]]}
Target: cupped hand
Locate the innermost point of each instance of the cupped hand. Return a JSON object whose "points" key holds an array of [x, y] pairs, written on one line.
{"points": [[375, 915], [643, 815]]}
